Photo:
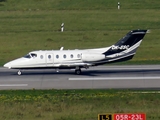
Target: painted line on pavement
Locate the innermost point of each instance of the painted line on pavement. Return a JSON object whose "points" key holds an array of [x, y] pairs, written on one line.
{"points": [[12, 85], [116, 78]]}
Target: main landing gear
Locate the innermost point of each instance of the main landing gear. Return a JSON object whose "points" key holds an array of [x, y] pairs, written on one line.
{"points": [[78, 71]]}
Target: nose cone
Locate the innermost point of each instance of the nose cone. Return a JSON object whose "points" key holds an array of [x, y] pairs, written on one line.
{"points": [[7, 65]]}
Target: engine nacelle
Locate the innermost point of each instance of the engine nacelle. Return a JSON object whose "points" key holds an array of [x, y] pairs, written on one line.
{"points": [[91, 57]]}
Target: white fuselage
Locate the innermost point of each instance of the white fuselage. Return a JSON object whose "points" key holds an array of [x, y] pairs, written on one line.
{"points": [[58, 58]]}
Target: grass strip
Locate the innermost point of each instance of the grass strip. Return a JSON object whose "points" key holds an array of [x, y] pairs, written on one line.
{"points": [[76, 104]]}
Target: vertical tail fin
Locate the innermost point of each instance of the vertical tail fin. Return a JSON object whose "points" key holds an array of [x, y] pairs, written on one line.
{"points": [[127, 46], [132, 38]]}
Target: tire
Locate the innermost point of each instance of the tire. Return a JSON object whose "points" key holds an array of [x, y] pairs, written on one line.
{"points": [[78, 72], [19, 72]]}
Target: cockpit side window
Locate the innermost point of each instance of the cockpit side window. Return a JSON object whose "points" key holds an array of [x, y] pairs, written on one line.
{"points": [[33, 55], [27, 56]]}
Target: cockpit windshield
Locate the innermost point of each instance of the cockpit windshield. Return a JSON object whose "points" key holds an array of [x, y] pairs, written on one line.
{"points": [[27, 56], [30, 55], [33, 55]]}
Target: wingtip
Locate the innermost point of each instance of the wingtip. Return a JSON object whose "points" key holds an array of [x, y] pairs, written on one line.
{"points": [[148, 31]]}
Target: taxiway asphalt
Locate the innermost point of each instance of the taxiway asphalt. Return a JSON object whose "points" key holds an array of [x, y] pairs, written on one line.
{"points": [[101, 77]]}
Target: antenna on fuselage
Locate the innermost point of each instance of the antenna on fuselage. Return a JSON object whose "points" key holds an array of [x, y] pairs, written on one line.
{"points": [[61, 48]]}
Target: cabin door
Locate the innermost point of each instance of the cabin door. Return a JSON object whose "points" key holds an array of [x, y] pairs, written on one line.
{"points": [[49, 59]]}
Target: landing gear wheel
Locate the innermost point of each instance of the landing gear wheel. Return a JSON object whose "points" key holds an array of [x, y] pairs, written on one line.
{"points": [[78, 72], [19, 72]]}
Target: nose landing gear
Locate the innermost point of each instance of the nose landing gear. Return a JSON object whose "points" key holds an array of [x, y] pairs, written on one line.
{"points": [[19, 72]]}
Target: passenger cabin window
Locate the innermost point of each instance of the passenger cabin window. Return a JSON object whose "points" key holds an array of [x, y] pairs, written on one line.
{"points": [[27, 56], [49, 56], [57, 56], [64, 56], [78, 55], [41, 56], [71, 55]]}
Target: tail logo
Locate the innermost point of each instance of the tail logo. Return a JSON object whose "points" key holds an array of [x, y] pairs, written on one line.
{"points": [[122, 47]]}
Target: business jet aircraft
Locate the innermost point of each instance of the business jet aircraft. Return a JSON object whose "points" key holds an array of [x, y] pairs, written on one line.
{"points": [[76, 59]]}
